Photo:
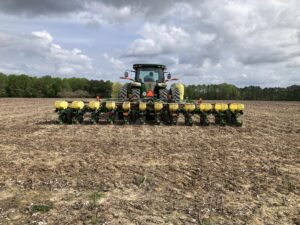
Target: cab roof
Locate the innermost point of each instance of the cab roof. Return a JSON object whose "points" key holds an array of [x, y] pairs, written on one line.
{"points": [[141, 65]]}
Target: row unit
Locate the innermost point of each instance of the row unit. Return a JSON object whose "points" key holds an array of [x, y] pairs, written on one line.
{"points": [[158, 106]]}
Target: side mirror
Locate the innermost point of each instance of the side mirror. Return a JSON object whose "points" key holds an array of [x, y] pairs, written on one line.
{"points": [[169, 76], [126, 74]]}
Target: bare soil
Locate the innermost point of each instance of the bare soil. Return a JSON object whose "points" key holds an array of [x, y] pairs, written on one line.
{"points": [[132, 174]]}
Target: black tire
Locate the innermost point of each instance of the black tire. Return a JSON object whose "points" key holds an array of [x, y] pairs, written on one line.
{"points": [[123, 92], [175, 94], [136, 93], [163, 94]]}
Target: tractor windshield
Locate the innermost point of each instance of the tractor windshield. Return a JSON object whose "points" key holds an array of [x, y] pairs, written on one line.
{"points": [[149, 75]]}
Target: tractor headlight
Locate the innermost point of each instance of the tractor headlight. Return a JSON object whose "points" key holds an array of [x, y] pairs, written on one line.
{"points": [[136, 84], [162, 85]]}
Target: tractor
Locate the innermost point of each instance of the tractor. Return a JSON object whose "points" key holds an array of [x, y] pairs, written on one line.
{"points": [[147, 99], [149, 86]]}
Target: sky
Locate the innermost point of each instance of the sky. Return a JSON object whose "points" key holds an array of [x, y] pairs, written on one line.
{"points": [[242, 42]]}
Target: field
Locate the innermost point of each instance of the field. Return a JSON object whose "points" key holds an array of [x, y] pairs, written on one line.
{"points": [[113, 174]]}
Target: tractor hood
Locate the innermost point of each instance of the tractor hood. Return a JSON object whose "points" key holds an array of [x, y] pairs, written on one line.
{"points": [[150, 86], [147, 89]]}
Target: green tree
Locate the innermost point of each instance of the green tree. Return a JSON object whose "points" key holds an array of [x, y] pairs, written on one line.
{"points": [[20, 86], [115, 89], [293, 93], [78, 83], [3, 85], [227, 92], [47, 86], [251, 93], [100, 88]]}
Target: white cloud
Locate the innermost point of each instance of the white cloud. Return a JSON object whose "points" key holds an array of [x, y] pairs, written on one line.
{"points": [[114, 61], [253, 42], [96, 14], [44, 35], [204, 41], [158, 39], [37, 53], [66, 71]]}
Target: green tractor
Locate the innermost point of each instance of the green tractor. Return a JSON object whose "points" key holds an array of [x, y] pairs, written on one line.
{"points": [[146, 98], [149, 86], [149, 82]]}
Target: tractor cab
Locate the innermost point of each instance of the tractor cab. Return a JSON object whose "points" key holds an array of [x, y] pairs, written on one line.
{"points": [[149, 76], [149, 82], [149, 73]]}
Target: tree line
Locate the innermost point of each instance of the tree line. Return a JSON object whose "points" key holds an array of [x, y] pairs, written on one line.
{"points": [[230, 92], [50, 87]]}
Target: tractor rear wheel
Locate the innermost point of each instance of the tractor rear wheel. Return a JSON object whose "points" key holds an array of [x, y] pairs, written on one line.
{"points": [[176, 94], [136, 93], [123, 92], [163, 94]]}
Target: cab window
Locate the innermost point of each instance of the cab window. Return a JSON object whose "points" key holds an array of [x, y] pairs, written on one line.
{"points": [[149, 75]]}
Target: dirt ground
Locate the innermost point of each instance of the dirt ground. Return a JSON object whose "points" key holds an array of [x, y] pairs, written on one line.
{"points": [[114, 174]]}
